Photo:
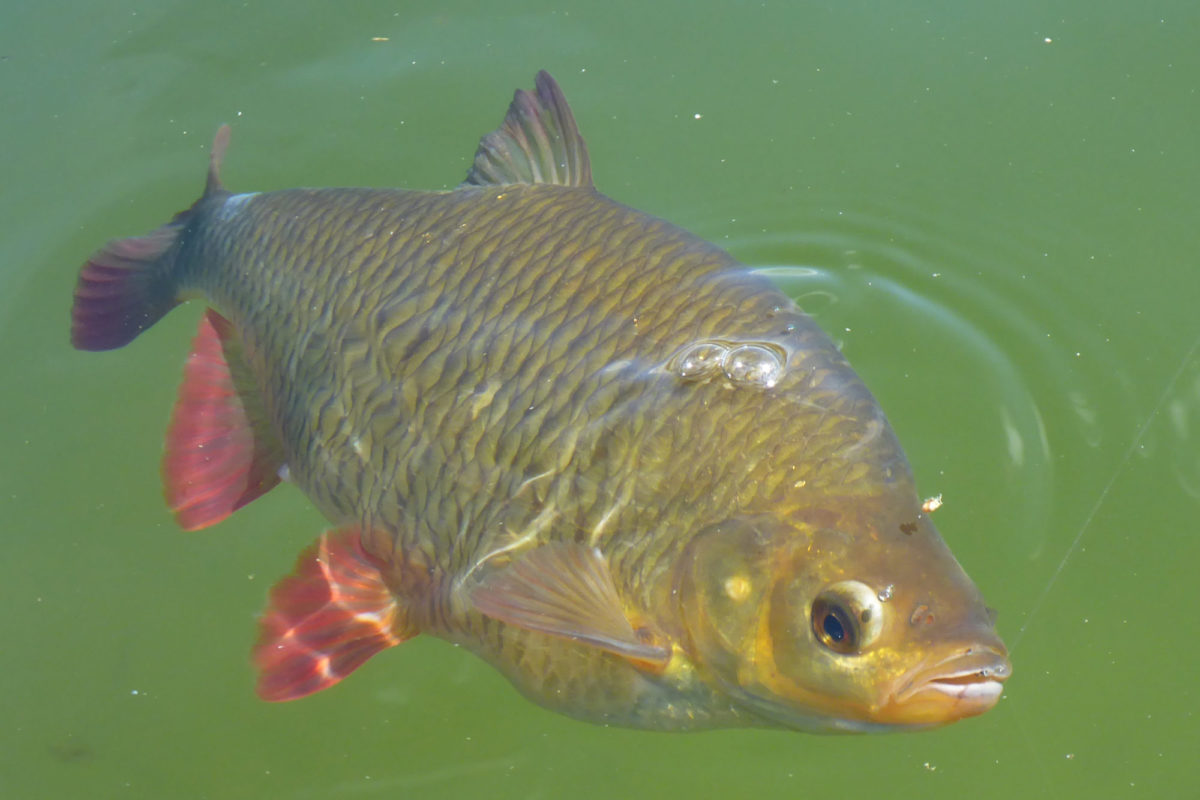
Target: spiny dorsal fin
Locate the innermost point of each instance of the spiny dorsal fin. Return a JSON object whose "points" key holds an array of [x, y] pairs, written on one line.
{"points": [[538, 142]]}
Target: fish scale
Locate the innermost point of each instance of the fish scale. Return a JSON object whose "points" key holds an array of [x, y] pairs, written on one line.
{"points": [[575, 439]]}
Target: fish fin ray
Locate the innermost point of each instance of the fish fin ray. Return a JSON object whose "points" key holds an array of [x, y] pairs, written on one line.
{"points": [[221, 452], [215, 156], [326, 619], [123, 289], [564, 590], [130, 284], [538, 142]]}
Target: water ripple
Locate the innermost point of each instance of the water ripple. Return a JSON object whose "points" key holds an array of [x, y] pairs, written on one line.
{"points": [[971, 341]]}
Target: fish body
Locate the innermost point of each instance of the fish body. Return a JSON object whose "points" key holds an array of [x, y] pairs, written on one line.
{"points": [[574, 438]]}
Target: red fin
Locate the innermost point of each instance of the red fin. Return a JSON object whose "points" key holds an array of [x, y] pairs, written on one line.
{"points": [[123, 289], [565, 590], [128, 285], [325, 619], [221, 452]]}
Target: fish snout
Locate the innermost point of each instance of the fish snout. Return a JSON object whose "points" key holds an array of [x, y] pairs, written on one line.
{"points": [[966, 683]]}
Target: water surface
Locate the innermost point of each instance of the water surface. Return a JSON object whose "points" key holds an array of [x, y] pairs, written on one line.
{"points": [[991, 207]]}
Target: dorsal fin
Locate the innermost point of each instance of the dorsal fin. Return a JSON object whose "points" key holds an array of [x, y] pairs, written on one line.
{"points": [[538, 142]]}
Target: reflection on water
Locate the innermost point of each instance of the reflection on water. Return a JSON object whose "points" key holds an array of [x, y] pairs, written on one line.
{"points": [[918, 292], [1049, 190], [1044, 384], [1183, 412]]}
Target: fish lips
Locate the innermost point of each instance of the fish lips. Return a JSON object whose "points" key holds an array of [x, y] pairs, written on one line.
{"points": [[936, 692], [965, 683]]}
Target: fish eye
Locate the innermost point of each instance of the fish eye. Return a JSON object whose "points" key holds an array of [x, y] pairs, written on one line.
{"points": [[847, 617]]}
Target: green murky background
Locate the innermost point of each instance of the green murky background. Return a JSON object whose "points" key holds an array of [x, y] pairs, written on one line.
{"points": [[993, 206]]}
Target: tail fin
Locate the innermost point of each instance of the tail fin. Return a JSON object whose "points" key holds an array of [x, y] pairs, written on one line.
{"points": [[128, 285]]}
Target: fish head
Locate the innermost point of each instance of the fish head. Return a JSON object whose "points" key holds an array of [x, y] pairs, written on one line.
{"points": [[825, 621]]}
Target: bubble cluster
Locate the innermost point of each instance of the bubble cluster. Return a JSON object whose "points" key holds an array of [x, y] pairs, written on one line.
{"points": [[744, 363]]}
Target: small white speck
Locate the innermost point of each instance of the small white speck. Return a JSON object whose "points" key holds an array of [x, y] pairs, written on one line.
{"points": [[697, 116], [1047, 40], [134, 692]]}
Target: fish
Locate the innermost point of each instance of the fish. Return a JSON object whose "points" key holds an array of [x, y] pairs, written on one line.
{"points": [[590, 447]]}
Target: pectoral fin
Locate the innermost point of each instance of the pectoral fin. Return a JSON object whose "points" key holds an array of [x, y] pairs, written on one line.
{"points": [[565, 590]]}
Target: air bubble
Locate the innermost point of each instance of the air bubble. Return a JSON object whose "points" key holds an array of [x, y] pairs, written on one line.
{"points": [[753, 364], [699, 360]]}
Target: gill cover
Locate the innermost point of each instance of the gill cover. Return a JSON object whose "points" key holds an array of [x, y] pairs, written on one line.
{"points": [[723, 588], [783, 640]]}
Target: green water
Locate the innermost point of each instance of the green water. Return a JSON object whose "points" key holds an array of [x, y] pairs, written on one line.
{"points": [[992, 206]]}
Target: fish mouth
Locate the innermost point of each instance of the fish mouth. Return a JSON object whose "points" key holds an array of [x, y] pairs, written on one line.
{"points": [[966, 683]]}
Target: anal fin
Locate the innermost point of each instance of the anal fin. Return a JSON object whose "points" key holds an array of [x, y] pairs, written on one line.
{"points": [[325, 619], [566, 590], [221, 452]]}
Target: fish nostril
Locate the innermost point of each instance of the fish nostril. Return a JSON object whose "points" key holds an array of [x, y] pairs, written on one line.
{"points": [[922, 615]]}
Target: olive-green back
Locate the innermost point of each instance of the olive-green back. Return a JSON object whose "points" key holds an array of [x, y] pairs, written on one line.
{"points": [[473, 367]]}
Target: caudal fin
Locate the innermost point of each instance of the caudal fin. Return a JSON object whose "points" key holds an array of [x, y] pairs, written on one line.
{"points": [[122, 290], [128, 285]]}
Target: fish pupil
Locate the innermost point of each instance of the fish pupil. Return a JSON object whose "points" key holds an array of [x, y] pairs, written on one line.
{"points": [[833, 627]]}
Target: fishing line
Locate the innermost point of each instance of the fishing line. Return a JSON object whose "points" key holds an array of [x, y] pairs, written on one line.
{"points": [[1087, 522]]}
